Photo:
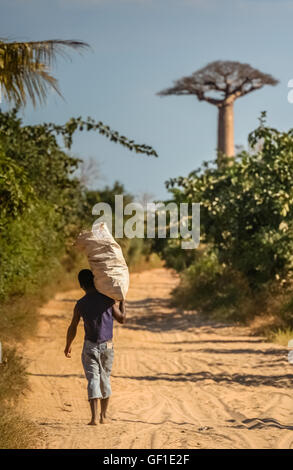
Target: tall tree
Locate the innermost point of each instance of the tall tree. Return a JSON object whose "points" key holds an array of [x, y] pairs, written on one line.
{"points": [[221, 83], [25, 68]]}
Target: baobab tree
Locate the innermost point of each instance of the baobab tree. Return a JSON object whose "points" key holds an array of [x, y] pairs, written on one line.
{"points": [[220, 83]]}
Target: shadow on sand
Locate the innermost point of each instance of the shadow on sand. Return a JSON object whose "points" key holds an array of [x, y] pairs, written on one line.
{"points": [[277, 381], [261, 423], [156, 315]]}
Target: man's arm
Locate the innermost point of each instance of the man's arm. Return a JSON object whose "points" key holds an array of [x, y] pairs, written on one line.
{"points": [[71, 332], [119, 313]]}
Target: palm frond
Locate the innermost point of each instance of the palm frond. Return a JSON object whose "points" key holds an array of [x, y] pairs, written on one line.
{"points": [[24, 68], [48, 51]]}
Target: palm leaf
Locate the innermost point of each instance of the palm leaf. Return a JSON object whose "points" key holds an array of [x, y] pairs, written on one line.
{"points": [[24, 68]]}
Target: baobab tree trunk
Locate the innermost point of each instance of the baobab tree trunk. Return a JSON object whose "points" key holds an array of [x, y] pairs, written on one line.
{"points": [[225, 131]]}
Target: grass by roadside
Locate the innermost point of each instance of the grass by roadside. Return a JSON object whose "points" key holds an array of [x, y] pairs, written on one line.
{"points": [[281, 336], [274, 318], [269, 327], [16, 432]]}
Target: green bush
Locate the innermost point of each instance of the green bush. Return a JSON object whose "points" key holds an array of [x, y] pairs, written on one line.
{"points": [[214, 289], [31, 247], [246, 207], [243, 266], [173, 255]]}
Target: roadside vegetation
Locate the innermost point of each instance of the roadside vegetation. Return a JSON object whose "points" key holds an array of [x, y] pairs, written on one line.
{"points": [[44, 204], [242, 271]]}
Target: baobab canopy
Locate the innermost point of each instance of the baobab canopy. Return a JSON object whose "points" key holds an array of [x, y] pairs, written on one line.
{"points": [[221, 83]]}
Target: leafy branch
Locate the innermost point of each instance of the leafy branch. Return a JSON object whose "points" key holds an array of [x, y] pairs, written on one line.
{"points": [[74, 124]]}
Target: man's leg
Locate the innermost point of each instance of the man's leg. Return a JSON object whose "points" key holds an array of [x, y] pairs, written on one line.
{"points": [[91, 367], [94, 411], [107, 356], [104, 406]]}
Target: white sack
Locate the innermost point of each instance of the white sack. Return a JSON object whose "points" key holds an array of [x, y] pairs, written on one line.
{"points": [[111, 276]]}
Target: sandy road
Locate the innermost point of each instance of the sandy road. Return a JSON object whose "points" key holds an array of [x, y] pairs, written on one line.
{"points": [[178, 381]]}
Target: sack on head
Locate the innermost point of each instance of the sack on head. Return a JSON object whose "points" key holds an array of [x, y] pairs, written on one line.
{"points": [[106, 260]]}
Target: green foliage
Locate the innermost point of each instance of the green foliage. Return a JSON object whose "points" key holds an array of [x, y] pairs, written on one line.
{"points": [[169, 249], [47, 169], [43, 205], [214, 289], [106, 195], [31, 247], [243, 266], [171, 252], [79, 124], [246, 208], [16, 193]]}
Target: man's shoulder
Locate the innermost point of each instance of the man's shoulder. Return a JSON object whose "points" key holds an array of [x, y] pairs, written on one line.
{"points": [[96, 296], [105, 298], [81, 301]]}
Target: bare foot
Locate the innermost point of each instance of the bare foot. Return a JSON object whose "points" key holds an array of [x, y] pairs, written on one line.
{"points": [[104, 420], [92, 423]]}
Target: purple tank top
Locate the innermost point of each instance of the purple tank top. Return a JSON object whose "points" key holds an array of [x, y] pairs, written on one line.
{"points": [[96, 311]]}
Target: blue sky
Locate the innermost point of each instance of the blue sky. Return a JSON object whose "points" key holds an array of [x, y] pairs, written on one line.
{"points": [[138, 47]]}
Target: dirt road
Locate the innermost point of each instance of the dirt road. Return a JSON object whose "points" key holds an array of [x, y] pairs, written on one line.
{"points": [[178, 381]]}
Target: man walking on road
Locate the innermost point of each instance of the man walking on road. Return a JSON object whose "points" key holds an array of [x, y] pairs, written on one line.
{"points": [[97, 311]]}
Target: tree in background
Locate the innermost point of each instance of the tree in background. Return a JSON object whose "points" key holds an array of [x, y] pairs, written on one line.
{"points": [[246, 208], [25, 68], [243, 266], [220, 83]]}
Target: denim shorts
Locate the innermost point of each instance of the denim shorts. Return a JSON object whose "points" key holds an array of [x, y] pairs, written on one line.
{"points": [[97, 361]]}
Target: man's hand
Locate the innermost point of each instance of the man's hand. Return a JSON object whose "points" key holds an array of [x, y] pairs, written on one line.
{"points": [[71, 332], [119, 313], [67, 351]]}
